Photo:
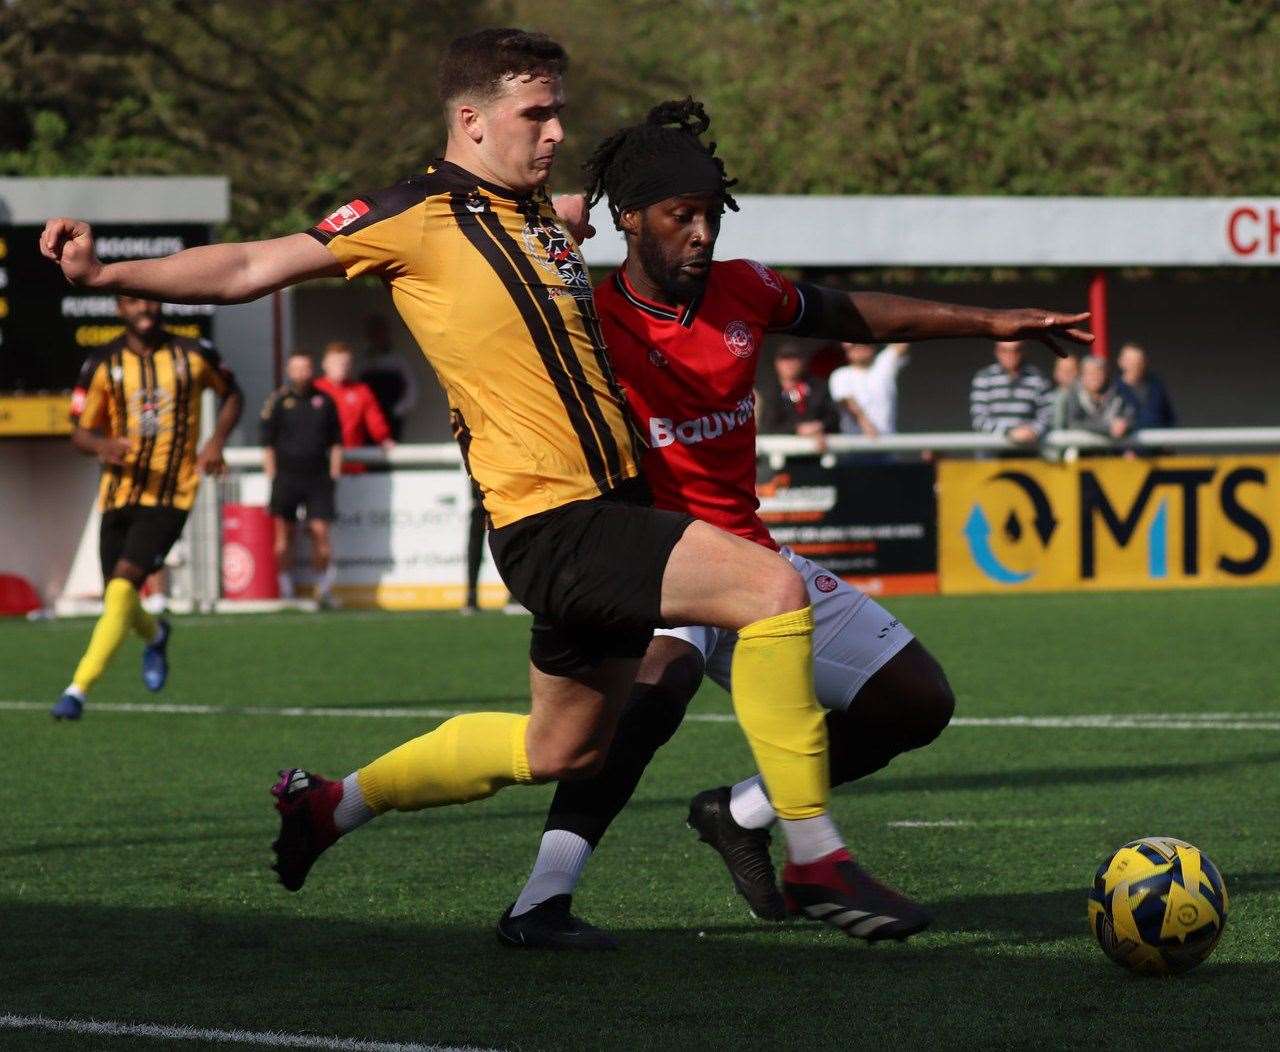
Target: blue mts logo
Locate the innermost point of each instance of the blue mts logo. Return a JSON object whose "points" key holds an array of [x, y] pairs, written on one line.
{"points": [[978, 529]]}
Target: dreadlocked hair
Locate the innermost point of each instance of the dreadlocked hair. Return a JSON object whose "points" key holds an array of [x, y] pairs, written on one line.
{"points": [[676, 124]]}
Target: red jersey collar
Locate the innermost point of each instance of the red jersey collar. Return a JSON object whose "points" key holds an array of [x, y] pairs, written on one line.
{"points": [[683, 317]]}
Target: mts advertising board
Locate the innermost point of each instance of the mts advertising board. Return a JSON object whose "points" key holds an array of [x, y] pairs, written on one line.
{"points": [[1168, 522]]}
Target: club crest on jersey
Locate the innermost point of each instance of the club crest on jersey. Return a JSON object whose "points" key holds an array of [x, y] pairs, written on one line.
{"points": [[317, 401], [824, 582], [344, 216], [657, 358], [738, 338], [153, 410], [554, 251]]}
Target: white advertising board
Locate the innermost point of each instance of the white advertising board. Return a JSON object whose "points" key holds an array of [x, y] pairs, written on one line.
{"points": [[400, 541]]}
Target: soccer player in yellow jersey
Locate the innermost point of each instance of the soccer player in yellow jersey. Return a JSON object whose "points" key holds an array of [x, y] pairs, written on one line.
{"points": [[136, 407], [491, 283]]}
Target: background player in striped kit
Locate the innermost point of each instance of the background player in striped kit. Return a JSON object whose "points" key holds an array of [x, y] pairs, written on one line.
{"points": [[136, 408]]}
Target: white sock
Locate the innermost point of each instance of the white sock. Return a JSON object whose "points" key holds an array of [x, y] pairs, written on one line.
{"points": [[809, 839], [75, 692], [352, 812], [749, 804], [562, 856], [285, 580], [324, 583]]}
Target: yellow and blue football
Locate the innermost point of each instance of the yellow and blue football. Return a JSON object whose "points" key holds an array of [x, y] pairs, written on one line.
{"points": [[1158, 906]]}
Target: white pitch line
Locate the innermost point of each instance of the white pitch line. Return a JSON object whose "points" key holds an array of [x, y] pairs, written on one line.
{"points": [[266, 1038], [943, 823], [1173, 721], [993, 823]]}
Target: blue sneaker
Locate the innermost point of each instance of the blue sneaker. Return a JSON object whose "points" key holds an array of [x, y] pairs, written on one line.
{"points": [[68, 707], [155, 660]]}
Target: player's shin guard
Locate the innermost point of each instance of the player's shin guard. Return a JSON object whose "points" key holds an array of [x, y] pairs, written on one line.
{"points": [[466, 758], [120, 609], [774, 700], [144, 623], [586, 806]]}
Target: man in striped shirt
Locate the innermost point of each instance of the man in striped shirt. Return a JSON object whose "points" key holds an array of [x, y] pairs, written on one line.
{"points": [[1011, 397]]}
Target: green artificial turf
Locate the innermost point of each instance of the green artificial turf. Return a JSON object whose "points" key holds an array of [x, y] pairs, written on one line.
{"points": [[134, 883]]}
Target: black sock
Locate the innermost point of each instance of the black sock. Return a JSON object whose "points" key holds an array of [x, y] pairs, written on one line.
{"points": [[587, 806]]}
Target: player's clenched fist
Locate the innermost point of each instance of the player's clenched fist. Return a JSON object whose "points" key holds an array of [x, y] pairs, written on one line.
{"points": [[69, 243]]}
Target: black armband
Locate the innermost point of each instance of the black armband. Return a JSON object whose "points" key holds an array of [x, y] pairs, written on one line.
{"points": [[809, 313]]}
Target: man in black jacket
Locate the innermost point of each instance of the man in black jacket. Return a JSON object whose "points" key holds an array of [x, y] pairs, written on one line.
{"points": [[302, 455]]}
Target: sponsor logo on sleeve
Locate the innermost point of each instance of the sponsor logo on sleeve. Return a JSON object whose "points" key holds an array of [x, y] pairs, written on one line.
{"points": [[765, 274], [344, 216]]}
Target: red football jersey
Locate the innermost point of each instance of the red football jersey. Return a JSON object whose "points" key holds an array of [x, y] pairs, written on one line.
{"points": [[359, 414], [689, 376]]}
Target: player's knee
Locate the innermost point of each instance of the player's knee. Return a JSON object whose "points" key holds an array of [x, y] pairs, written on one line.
{"points": [[939, 705], [127, 571], [931, 705], [573, 764], [782, 591]]}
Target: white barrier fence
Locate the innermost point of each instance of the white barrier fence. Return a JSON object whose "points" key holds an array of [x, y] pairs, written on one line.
{"points": [[406, 528], [1066, 443]]}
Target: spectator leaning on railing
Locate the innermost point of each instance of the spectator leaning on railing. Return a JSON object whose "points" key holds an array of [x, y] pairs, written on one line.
{"points": [[800, 404], [1066, 371], [1093, 403], [1011, 397], [866, 390], [1144, 391]]}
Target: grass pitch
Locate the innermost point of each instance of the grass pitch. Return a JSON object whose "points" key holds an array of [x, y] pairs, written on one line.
{"points": [[134, 882]]}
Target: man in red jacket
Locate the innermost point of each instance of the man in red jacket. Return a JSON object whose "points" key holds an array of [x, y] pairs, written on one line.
{"points": [[358, 411]]}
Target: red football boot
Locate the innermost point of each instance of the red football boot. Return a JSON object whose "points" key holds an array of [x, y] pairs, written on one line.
{"points": [[306, 803], [839, 892]]}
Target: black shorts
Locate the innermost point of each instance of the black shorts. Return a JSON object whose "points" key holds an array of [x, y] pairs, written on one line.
{"points": [[139, 534], [312, 493], [591, 573]]}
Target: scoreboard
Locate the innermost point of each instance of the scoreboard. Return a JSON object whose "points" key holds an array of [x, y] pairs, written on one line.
{"points": [[48, 328]]}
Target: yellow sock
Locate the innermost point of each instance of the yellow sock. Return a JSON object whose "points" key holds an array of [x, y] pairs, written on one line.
{"points": [[144, 623], [466, 758], [119, 603], [773, 697]]}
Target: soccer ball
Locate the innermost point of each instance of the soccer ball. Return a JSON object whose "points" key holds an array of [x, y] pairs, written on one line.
{"points": [[1158, 906]]}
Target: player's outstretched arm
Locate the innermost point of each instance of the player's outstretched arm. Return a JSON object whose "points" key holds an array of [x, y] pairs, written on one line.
{"points": [[877, 316], [232, 273]]}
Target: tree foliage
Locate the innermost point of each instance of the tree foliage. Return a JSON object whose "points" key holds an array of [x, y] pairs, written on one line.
{"points": [[300, 102]]}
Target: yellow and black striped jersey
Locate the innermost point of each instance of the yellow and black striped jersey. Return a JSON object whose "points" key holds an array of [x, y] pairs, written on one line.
{"points": [[498, 297], [154, 401]]}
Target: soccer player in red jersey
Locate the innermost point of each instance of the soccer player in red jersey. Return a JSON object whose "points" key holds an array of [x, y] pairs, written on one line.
{"points": [[684, 334]]}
